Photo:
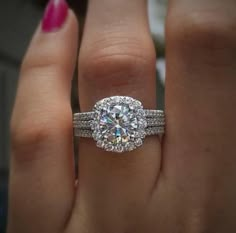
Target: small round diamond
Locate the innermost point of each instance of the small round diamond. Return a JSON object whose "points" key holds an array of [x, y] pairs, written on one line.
{"points": [[140, 134], [100, 144], [119, 149], [138, 142], [143, 123], [130, 146], [109, 147], [119, 120], [96, 136], [141, 112]]}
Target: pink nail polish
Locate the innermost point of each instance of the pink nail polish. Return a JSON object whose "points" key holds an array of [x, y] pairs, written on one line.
{"points": [[55, 15]]}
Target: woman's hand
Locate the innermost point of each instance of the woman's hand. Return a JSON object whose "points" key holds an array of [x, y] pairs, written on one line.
{"points": [[185, 184]]}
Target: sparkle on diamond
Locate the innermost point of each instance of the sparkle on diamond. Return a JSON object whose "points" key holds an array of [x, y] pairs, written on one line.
{"points": [[118, 124]]}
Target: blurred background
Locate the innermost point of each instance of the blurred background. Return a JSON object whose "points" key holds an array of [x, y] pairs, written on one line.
{"points": [[18, 20]]}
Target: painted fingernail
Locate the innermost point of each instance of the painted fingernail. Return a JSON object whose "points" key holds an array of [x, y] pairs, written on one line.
{"points": [[55, 15]]}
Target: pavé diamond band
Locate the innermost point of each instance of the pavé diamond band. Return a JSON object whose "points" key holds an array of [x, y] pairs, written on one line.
{"points": [[119, 123]]}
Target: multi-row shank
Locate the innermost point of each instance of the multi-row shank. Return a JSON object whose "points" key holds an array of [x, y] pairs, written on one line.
{"points": [[119, 123]]}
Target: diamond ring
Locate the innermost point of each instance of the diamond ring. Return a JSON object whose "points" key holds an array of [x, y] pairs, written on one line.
{"points": [[119, 123]]}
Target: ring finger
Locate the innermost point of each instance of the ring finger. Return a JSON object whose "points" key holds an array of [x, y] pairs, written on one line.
{"points": [[117, 57]]}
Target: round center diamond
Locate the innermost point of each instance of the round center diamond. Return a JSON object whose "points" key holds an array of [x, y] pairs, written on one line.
{"points": [[119, 124]]}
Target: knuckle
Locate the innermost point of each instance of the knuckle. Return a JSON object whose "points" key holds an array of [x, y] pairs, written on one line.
{"points": [[43, 61], [117, 63], [32, 133], [27, 134], [48, 68], [206, 34]]}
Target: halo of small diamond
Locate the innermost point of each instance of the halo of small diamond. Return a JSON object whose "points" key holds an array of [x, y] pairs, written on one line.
{"points": [[119, 124]]}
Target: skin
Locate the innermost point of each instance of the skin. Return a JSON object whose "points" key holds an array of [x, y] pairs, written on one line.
{"points": [[184, 184]]}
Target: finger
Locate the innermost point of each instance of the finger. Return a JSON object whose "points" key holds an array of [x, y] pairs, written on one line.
{"points": [[116, 58], [42, 175], [200, 95]]}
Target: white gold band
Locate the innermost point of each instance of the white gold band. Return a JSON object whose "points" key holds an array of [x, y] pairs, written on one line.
{"points": [[149, 113], [88, 133], [155, 123]]}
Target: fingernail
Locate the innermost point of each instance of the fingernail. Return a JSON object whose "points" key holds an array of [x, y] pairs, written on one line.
{"points": [[55, 15]]}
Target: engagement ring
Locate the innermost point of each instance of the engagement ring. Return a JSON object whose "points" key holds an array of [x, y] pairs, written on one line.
{"points": [[119, 123]]}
